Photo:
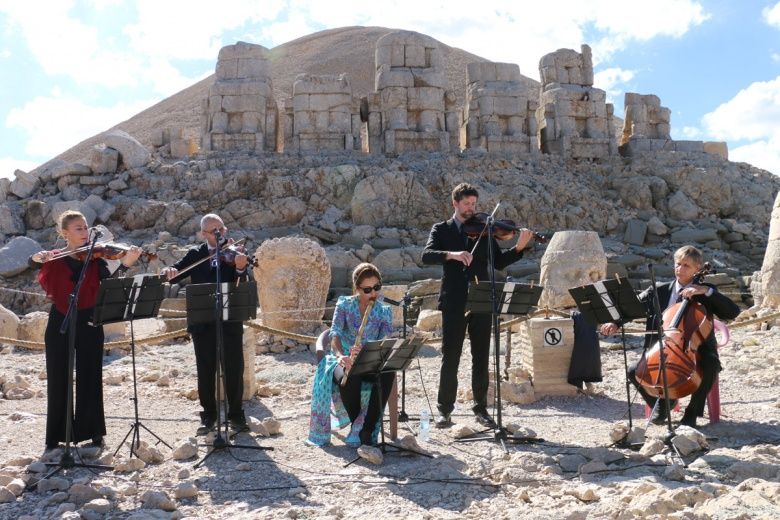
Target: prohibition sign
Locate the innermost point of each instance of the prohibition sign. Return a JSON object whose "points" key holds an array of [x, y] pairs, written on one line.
{"points": [[552, 336]]}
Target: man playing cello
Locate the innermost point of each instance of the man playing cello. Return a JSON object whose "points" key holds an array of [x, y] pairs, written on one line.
{"points": [[687, 262]]}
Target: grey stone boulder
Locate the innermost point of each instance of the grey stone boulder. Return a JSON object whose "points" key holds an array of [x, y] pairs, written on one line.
{"points": [[24, 184], [60, 207], [132, 152], [11, 222], [14, 255]]}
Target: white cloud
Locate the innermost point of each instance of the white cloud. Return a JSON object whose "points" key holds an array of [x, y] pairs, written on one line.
{"points": [[775, 57], [280, 32], [54, 124], [515, 32], [772, 15], [751, 115], [764, 154], [691, 133], [8, 165], [613, 80]]}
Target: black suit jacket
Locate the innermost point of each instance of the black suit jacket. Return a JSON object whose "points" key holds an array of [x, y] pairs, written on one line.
{"points": [[205, 272], [444, 238], [717, 304]]}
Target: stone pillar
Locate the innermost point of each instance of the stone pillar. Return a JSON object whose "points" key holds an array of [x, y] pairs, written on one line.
{"points": [[545, 352], [240, 112], [572, 259], [410, 108], [321, 115], [770, 269], [497, 109], [572, 118]]}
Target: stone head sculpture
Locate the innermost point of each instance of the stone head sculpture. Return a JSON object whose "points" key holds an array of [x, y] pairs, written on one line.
{"points": [[572, 259], [293, 277]]}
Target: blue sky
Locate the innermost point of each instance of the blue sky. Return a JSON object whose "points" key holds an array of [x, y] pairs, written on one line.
{"points": [[72, 68]]}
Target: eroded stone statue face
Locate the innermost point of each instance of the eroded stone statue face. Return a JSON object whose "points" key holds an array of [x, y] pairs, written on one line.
{"points": [[293, 277], [572, 259]]}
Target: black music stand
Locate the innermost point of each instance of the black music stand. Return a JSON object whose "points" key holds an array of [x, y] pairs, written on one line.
{"points": [[611, 301], [500, 298], [381, 357], [130, 299], [217, 303]]}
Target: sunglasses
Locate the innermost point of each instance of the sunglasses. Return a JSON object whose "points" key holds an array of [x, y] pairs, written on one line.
{"points": [[367, 290]]}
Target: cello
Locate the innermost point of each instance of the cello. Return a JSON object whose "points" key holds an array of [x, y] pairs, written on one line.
{"points": [[686, 325]]}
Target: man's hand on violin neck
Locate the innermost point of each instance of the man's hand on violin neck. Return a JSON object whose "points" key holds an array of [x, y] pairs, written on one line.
{"points": [[523, 239], [460, 256]]}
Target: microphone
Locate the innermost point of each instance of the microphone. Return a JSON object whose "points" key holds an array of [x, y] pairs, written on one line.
{"points": [[385, 299], [98, 233], [217, 234]]}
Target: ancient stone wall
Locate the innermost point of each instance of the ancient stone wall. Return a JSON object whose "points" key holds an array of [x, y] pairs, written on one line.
{"points": [[573, 117], [499, 116], [322, 115], [240, 112], [411, 109]]}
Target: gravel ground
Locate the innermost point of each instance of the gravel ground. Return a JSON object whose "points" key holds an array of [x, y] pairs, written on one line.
{"points": [[737, 478]]}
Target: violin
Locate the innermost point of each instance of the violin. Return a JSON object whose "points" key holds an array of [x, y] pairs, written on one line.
{"points": [[105, 250], [686, 326], [229, 253], [476, 227]]}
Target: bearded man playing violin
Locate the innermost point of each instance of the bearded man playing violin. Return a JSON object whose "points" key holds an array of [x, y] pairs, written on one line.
{"points": [[204, 335], [688, 261], [449, 245]]}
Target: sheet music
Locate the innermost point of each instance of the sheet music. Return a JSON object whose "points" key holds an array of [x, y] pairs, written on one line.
{"points": [[607, 300]]}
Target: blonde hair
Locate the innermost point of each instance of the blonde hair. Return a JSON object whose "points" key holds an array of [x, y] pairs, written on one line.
{"points": [[66, 217], [363, 271], [691, 253]]}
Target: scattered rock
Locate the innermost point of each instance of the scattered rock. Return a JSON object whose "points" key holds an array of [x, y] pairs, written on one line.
{"points": [[99, 505], [129, 465], [258, 427], [273, 426], [186, 449], [459, 432], [370, 454], [157, 500], [185, 490]]}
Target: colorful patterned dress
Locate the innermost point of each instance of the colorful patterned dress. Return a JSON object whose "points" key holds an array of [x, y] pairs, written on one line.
{"points": [[327, 410]]}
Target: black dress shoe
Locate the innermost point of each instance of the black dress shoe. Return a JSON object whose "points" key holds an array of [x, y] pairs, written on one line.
{"points": [[205, 427], [443, 421], [97, 441], [484, 419], [688, 419], [239, 425]]}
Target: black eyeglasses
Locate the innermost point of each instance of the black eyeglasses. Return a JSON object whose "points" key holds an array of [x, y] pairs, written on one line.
{"points": [[367, 290]]}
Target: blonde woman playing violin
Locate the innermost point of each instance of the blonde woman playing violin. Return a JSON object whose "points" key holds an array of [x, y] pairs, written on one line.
{"points": [[58, 274]]}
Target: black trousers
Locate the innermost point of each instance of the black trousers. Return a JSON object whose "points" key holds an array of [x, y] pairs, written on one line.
{"points": [[205, 342], [454, 327], [89, 419], [350, 396], [710, 365]]}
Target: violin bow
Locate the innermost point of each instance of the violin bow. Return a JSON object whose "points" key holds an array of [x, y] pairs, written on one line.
{"points": [[209, 257]]}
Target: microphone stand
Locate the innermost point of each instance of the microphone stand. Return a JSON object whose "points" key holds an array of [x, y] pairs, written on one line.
{"points": [[221, 442], [69, 326]]}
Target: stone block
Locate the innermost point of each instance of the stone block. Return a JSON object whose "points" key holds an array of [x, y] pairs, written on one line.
{"points": [[636, 230], [719, 148], [24, 184], [227, 69], [253, 68], [103, 160], [425, 98], [414, 56], [386, 78], [132, 152]]}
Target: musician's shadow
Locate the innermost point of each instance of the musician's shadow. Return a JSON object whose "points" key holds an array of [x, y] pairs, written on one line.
{"points": [[428, 482], [594, 406], [243, 472]]}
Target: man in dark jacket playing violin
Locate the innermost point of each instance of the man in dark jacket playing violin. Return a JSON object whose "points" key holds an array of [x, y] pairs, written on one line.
{"points": [[204, 335], [449, 245], [687, 262]]}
